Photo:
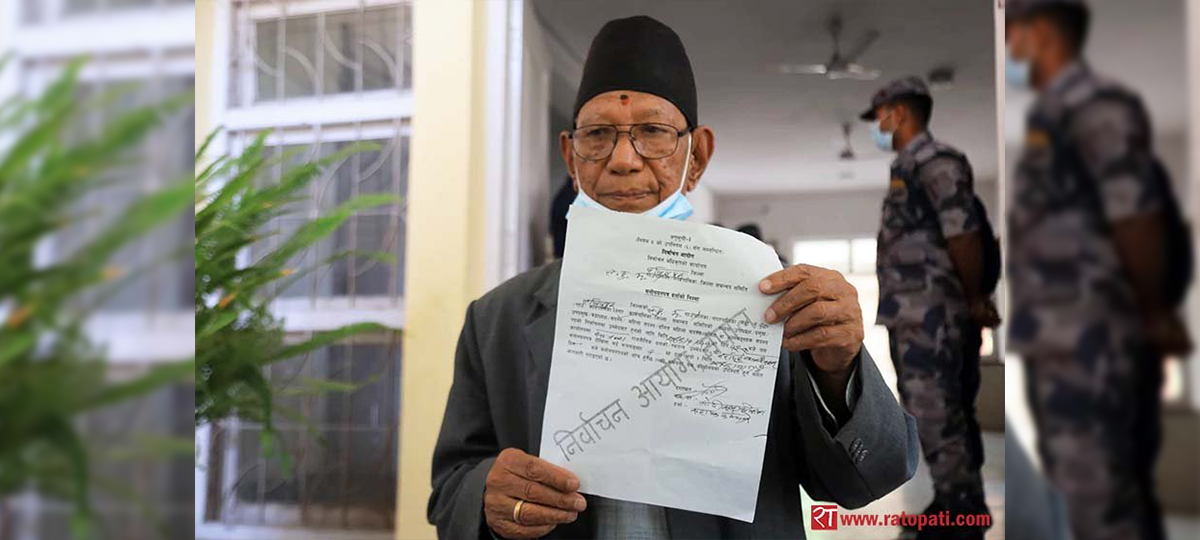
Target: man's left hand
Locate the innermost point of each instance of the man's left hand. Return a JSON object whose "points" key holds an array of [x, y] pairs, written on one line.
{"points": [[821, 312]]}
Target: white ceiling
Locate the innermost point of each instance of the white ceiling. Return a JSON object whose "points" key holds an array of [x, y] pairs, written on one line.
{"points": [[781, 133], [1141, 44]]}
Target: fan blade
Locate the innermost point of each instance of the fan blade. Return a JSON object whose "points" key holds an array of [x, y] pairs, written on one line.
{"points": [[857, 71], [863, 44], [803, 69]]}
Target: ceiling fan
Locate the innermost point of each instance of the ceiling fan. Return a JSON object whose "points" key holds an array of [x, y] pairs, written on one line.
{"points": [[847, 151], [839, 65]]}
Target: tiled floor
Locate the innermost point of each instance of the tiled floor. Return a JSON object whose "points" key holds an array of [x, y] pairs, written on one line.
{"points": [[1179, 528], [913, 496]]}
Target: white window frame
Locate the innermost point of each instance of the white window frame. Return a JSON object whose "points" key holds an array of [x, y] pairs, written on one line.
{"points": [[378, 114], [155, 41], [155, 28], [305, 314], [140, 42]]}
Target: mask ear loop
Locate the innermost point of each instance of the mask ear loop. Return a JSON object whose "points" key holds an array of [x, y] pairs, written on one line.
{"points": [[686, 166]]}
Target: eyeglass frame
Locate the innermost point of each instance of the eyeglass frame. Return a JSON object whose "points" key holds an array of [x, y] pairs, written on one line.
{"points": [[617, 137]]}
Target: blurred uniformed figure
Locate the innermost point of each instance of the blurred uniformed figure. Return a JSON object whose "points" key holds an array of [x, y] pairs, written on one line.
{"points": [[1099, 259], [937, 265]]}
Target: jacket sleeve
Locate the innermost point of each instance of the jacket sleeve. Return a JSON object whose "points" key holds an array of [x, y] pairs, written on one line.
{"points": [[873, 453], [466, 447]]}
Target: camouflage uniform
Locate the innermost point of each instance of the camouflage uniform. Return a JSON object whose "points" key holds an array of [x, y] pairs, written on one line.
{"points": [[1093, 383], [934, 346]]}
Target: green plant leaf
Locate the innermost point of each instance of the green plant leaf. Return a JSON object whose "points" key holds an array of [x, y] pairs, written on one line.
{"points": [[322, 339], [158, 376]]}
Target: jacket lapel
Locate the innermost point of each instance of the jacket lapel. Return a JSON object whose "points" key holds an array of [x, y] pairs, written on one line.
{"points": [[539, 336]]}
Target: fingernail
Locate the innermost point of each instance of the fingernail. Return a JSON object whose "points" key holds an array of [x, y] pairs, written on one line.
{"points": [[581, 504], [769, 315], [764, 285]]}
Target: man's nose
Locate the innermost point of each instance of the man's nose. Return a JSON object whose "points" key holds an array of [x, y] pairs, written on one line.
{"points": [[625, 158]]}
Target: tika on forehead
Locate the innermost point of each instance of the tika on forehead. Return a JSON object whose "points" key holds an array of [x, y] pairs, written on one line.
{"points": [[624, 99]]}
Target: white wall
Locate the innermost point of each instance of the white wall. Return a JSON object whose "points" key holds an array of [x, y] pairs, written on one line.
{"points": [[705, 204], [789, 217], [1192, 148]]}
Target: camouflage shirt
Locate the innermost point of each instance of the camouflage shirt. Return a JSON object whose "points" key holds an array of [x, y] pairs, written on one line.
{"points": [[1085, 165], [912, 262]]}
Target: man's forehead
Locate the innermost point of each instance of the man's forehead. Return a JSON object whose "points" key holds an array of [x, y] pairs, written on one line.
{"points": [[639, 106]]}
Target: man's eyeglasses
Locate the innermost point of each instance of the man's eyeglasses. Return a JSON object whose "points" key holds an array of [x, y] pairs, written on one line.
{"points": [[651, 141]]}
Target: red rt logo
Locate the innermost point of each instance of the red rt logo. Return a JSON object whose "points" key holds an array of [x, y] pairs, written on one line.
{"points": [[824, 517]]}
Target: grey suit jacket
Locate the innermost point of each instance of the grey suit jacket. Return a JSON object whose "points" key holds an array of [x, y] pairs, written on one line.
{"points": [[498, 397]]}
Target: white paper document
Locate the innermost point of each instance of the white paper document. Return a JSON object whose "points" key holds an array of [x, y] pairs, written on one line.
{"points": [[663, 369]]}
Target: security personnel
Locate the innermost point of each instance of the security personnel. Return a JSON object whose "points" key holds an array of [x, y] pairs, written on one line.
{"points": [[933, 296], [1098, 260]]}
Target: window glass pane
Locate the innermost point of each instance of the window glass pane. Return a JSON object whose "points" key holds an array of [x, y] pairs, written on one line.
{"points": [[32, 11], [84, 7], [862, 256], [343, 444], [832, 254], [300, 50], [406, 46], [292, 43], [120, 439], [357, 51], [369, 246], [365, 42], [379, 33], [266, 60], [75, 7], [1173, 384], [165, 155]]}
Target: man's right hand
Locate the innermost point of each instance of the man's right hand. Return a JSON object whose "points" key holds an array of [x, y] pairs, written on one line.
{"points": [[1168, 335], [550, 492], [983, 313]]}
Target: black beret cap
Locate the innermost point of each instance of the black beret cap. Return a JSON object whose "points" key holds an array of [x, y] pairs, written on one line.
{"points": [[910, 86], [639, 54], [1016, 9]]}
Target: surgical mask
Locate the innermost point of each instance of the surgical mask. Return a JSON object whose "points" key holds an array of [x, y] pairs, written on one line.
{"points": [[883, 139], [674, 207], [1017, 72]]}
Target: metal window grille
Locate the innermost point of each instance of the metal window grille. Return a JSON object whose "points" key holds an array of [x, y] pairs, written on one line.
{"points": [[322, 74], [342, 446]]}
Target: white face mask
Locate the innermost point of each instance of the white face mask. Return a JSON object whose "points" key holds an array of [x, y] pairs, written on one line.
{"points": [[674, 207], [883, 139], [1017, 73]]}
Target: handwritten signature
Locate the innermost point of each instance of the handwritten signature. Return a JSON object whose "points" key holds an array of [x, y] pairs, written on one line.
{"points": [[655, 273], [598, 304], [706, 394]]}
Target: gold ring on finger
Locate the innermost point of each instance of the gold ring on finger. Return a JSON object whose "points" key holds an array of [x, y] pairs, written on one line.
{"points": [[517, 511]]}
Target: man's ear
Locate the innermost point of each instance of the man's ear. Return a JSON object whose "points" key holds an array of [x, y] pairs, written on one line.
{"points": [[568, 154], [703, 146]]}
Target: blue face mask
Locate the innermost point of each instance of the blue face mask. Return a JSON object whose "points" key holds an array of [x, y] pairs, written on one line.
{"points": [[1017, 72], [883, 139], [674, 207]]}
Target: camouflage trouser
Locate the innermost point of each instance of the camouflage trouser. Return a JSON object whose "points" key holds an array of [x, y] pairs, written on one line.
{"points": [[937, 372], [1097, 415]]}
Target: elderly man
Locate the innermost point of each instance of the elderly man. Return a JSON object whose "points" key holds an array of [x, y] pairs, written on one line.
{"points": [[636, 147]]}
